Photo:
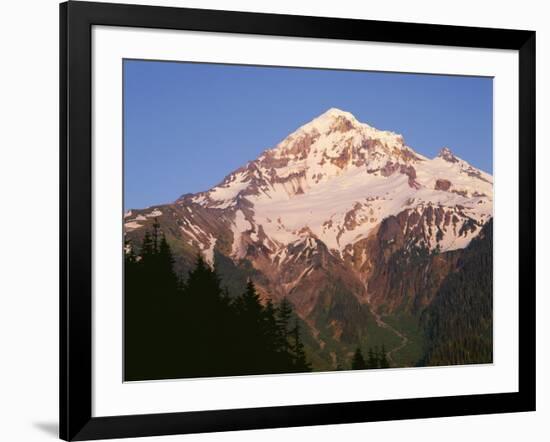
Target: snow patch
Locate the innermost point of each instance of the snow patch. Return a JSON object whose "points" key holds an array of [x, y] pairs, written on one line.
{"points": [[132, 225], [155, 213], [208, 251]]}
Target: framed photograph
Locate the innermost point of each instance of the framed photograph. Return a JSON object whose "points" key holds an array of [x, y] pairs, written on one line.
{"points": [[272, 220]]}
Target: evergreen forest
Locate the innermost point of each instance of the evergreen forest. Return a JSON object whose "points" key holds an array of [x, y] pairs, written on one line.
{"points": [[182, 326], [176, 329]]}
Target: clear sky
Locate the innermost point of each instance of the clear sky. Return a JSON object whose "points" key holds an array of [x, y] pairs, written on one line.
{"points": [[187, 125]]}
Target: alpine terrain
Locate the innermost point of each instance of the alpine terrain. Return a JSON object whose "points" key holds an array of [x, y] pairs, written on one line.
{"points": [[374, 245]]}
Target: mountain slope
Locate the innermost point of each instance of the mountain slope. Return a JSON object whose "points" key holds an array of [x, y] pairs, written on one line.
{"points": [[337, 214], [459, 322]]}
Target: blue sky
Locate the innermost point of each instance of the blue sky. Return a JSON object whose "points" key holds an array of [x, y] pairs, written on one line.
{"points": [[187, 125]]}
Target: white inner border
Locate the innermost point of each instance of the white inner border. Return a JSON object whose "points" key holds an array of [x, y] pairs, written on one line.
{"points": [[113, 397]]}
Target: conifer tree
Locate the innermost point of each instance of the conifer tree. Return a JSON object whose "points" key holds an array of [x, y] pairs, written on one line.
{"points": [[165, 267], [372, 361], [155, 235], [151, 289], [297, 348], [284, 314], [383, 361], [459, 321], [147, 249], [206, 318], [271, 335], [203, 284], [249, 304], [358, 362], [133, 354], [193, 329], [250, 326]]}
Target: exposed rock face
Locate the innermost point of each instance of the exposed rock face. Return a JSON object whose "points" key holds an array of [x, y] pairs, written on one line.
{"points": [[337, 214], [447, 155], [441, 184], [341, 124], [399, 268]]}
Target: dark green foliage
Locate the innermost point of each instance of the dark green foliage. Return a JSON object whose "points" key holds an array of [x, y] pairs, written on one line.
{"points": [[358, 362], [195, 325], [337, 312], [382, 359], [408, 325], [372, 361], [283, 316], [234, 276], [195, 329], [299, 361], [375, 359], [459, 322]]}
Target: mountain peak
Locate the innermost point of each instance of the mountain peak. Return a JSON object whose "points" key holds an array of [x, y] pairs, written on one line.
{"points": [[337, 139], [335, 112], [330, 119], [334, 179]]}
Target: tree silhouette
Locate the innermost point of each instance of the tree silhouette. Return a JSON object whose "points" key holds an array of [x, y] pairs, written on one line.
{"points": [[358, 361], [272, 340], [382, 360], [150, 301], [372, 361], [193, 329], [297, 348], [284, 314]]}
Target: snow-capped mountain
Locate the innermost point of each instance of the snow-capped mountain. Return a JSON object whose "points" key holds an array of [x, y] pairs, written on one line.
{"points": [[330, 209]]}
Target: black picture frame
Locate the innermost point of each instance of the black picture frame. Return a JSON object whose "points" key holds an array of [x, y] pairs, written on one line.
{"points": [[76, 21]]}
